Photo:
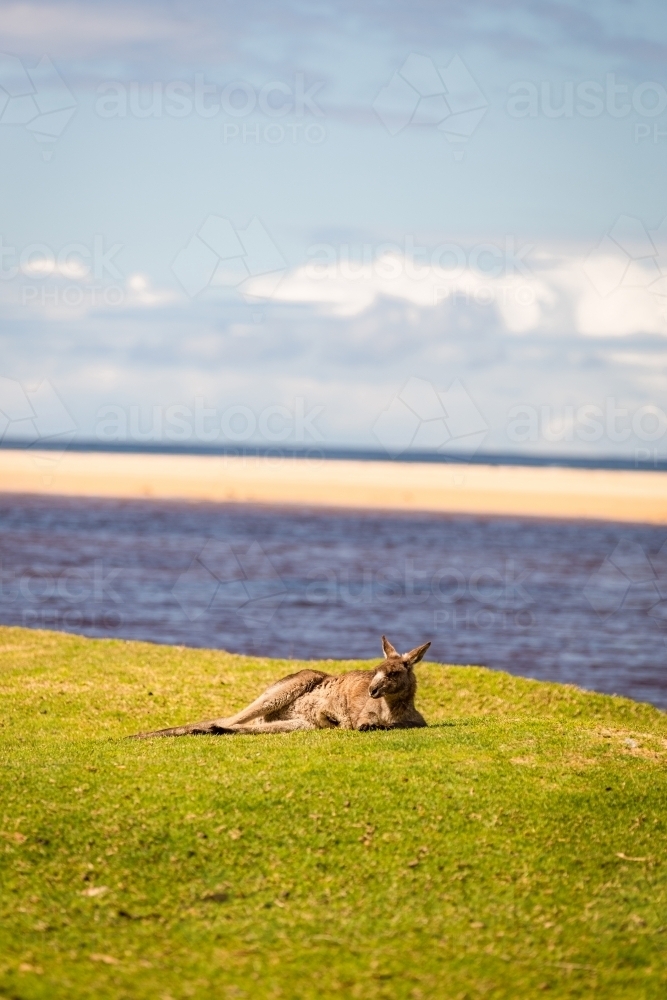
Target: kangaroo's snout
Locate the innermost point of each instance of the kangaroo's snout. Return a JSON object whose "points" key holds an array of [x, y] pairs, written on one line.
{"points": [[377, 686], [389, 683]]}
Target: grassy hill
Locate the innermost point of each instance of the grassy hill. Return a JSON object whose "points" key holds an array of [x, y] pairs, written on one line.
{"points": [[514, 849]]}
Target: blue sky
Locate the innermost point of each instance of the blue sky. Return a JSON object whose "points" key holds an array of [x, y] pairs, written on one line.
{"points": [[431, 223]]}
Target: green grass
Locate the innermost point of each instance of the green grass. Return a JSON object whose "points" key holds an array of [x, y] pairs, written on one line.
{"points": [[514, 849]]}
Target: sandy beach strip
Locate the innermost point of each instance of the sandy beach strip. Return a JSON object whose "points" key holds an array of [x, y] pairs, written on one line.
{"points": [[473, 489]]}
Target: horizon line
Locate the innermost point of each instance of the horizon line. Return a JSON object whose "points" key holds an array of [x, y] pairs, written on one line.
{"points": [[342, 453]]}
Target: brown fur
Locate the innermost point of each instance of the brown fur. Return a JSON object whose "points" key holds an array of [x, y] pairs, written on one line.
{"points": [[383, 698]]}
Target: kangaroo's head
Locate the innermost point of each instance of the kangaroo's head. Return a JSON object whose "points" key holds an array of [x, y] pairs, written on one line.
{"points": [[394, 677]]}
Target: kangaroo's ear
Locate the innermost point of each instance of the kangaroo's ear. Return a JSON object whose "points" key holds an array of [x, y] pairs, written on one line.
{"points": [[387, 648], [415, 655]]}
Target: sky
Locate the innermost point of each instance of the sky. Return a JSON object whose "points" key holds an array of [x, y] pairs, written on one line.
{"points": [[437, 225]]}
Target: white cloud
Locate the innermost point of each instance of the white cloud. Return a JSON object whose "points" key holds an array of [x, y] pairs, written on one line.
{"points": [[555, 295], [349, 341], [345, 289], [624, 312], [531, 303]]}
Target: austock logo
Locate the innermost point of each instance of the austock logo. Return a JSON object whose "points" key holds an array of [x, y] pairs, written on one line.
{"points": [[630, 256], [420, 93], [220, 256], [73, 598], [225, 578], [422, 418], [71, 275], [35, 416], [37, 98], [630, 580]]}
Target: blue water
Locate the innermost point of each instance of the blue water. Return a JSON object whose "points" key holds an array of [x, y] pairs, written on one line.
{"points": [[576, 602]]}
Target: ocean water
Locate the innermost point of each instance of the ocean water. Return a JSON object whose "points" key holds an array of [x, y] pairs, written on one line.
{"points": [[576, 602]]}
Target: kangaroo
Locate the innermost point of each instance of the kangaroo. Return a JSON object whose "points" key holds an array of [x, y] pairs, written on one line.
{"points": [[382, 698]]}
